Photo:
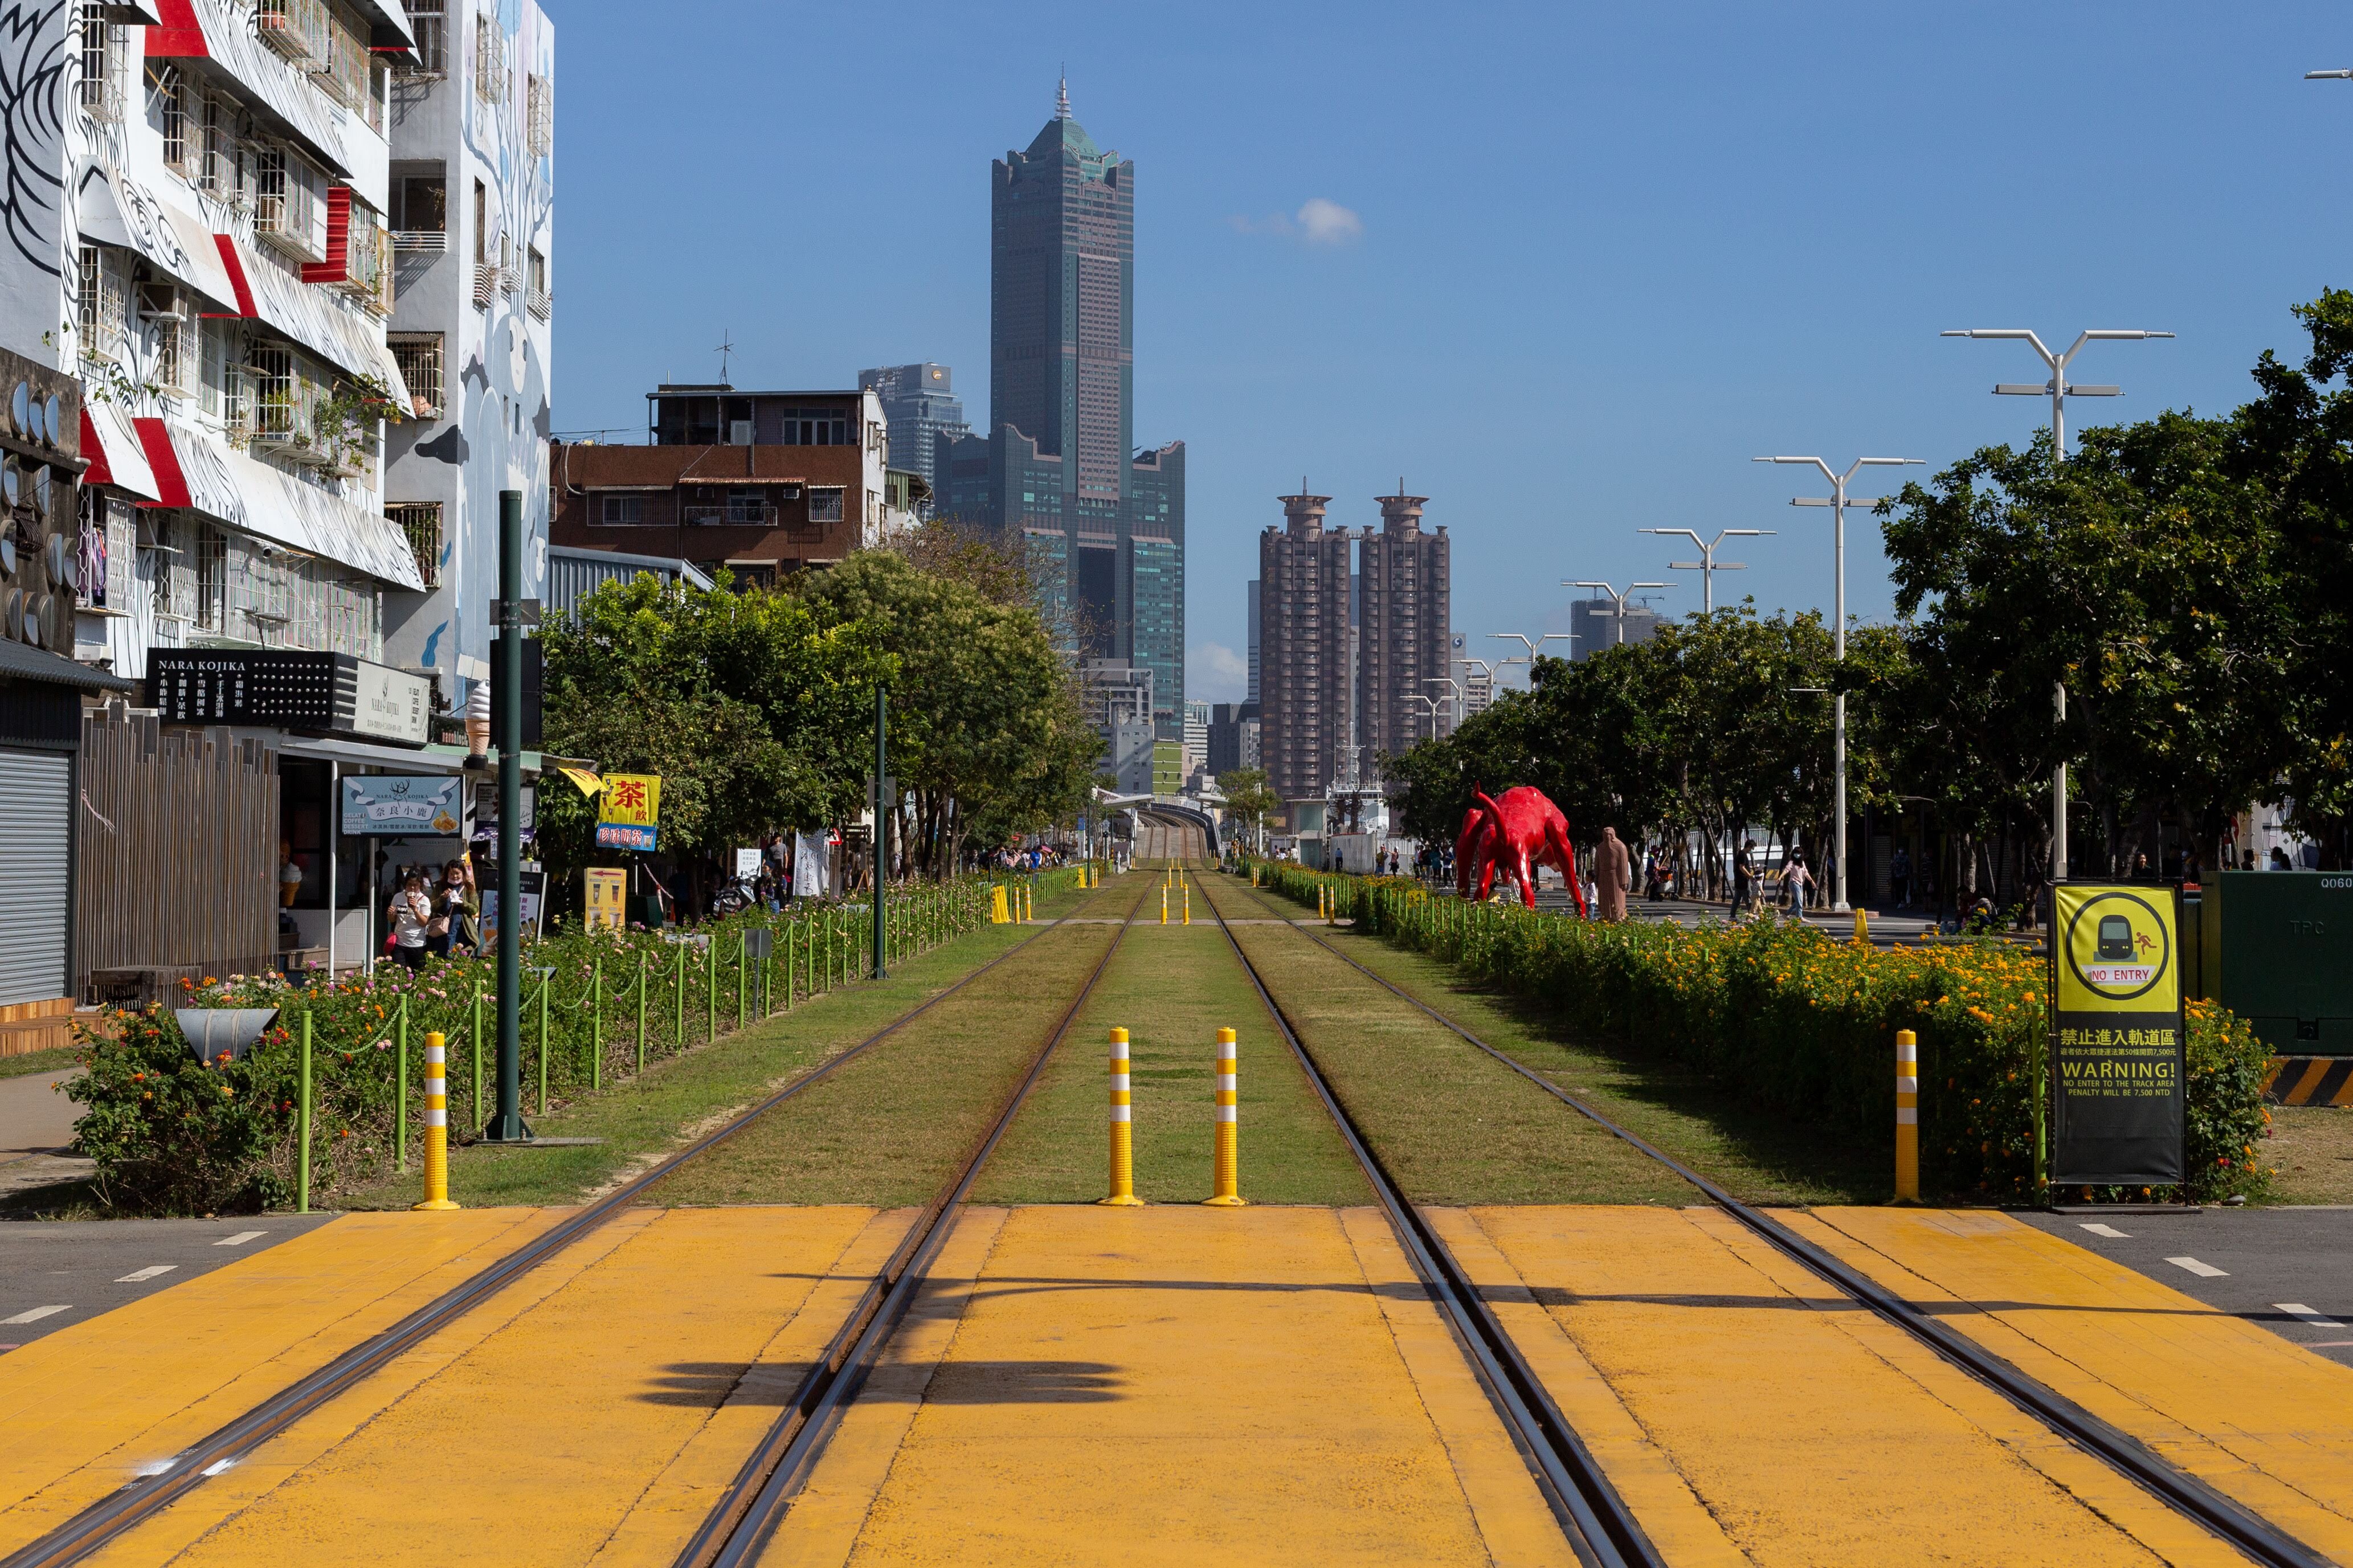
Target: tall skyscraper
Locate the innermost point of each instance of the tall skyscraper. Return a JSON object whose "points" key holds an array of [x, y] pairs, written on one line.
{"points": [[1594, 625], [921, 410], [1402, 630], [1103, 522], [1253, 640], [1307, 677]]}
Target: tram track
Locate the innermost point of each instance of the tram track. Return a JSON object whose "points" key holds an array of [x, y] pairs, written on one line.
{"points": [[2184, 1493], [739, 1525], [160, 1486], [1599, 1526]]}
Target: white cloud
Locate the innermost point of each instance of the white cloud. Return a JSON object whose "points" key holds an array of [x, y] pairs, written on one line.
{"points": [[1215, 673], [1328, 223], [1319, 222]]}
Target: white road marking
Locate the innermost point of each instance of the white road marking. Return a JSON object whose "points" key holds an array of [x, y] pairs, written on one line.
{"points": [[241, 1238], [2111, 1232], [2299, 1310], [2203, 1270], [36, 1315], [141, 1277]]}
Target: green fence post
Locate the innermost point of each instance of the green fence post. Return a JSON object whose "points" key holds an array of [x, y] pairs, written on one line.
{"points": [[742, 966], [302, 1128], [641, 1013], [597, 1025], [678, 1013], [545, 981], [400, 1108], [476, 1108], [711, 989]]}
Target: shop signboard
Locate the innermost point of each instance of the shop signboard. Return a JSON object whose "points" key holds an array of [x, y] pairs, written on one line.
{"points": [[325, 692], [2116, 1045], [607, 899], [628, 811], [534, 884], [401, 806], [747, 865]]}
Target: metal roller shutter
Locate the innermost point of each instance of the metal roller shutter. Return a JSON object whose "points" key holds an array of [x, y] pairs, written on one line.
{"points": [[35, 805]]}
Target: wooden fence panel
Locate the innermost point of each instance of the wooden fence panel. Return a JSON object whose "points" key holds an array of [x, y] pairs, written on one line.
{"points": [[178, 863]]}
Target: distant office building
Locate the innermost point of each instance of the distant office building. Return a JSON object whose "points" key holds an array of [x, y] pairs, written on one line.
{"points": [[1253, 640], [1403, 627], [1103, 523], [1594, 625], [1233, 737], [1195, 738], [922, 414], [1307, 675], [1119, 704], [1477, 681]]}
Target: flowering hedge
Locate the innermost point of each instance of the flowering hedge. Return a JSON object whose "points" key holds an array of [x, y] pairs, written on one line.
{"points": [[1806, 1024], [171, 1135]]}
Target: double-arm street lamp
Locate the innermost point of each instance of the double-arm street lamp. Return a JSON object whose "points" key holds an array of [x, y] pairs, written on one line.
{"points": [[1618, 601], [1838, 501], [1531, 644], [1707, 565], [2058, 389]]}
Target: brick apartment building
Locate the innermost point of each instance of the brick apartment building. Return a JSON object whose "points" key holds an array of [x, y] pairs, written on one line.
{"points": [[762, 483]]}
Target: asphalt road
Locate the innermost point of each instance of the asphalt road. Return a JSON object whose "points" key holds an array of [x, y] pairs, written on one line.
{"points": [[2254, 1262], [57, 1273]]}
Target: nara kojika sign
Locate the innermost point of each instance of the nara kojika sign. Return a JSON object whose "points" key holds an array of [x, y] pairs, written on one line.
{"points": [[2117, 1056]]}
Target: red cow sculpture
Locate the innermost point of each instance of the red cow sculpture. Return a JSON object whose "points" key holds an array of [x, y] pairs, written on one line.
{"points": [[1514, 834]]}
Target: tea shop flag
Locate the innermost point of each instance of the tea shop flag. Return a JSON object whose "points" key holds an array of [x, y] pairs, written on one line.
{"points": [[628, 811], [2116, 1044]]}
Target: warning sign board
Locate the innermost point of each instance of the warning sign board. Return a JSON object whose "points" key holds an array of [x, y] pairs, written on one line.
{"points": [[2117, 1046]]}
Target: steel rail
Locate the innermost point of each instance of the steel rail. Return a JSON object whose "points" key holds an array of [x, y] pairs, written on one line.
{"points": [[2183, 1493], [739, 1525], [1600, 1527], [120, 1511]]}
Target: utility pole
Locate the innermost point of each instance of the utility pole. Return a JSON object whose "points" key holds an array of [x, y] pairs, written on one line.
{"points": [[1838, 502], [1707, 565], [2058, 389], [881, 805], [1618, 600], [506, 1125]]}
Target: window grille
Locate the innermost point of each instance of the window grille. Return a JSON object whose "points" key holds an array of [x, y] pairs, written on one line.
{"points": [[490, 59], [421, 359], [105, 60], [210, 610], [429, 21], [299, 30], [620, 512], [540, 108], [825, 503], [169, 95], [173, 319], [102, 305], [274, 416], [216, 174], [286, 202], [347, 71], [421, 521], [543, 303]]}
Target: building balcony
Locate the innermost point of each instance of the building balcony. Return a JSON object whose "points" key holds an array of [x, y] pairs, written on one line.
{"points": [[421, 240]]}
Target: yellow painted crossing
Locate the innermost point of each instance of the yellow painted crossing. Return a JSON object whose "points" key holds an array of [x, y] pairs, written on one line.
{"points": [[1173, 1386], [2264, 1422]]}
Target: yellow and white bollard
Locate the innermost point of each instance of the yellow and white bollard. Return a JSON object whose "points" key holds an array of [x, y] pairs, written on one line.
{"points": [[1907, 1116], [1164, 903], [1188, 903], [1123, 1130], [437, 1124], [1227, 1153], [1028, 903]]}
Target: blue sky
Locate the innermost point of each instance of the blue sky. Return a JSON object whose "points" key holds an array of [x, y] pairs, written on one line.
{"points": [[1564, 268]]}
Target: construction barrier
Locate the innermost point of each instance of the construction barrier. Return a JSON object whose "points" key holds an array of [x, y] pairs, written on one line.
{"points": [[1907, 1116], [437, 1124], [998, 913], [1123, 1130], [1227, 1155]]}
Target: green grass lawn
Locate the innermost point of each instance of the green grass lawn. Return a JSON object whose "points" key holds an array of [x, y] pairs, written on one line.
{"points": [[1760, 1156], [1172, 988], [648, 1117], [36, 1061], [2312, 1147]]}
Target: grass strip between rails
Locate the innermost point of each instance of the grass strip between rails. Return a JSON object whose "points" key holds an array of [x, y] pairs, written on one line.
{"points": [[694, 1092], [1758, 1155], [1452, 1125], [1172, 988]]}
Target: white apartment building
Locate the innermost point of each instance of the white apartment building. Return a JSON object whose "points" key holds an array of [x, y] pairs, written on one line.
{"points": [[472, 212]]}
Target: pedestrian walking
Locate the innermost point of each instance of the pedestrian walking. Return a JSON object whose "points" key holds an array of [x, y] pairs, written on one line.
{"points": [[452, 931], [1745, 891], [1797, 882], [410, 912], [1899, 878]]}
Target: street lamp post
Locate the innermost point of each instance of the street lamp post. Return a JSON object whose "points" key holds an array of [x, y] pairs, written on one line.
{"points": [[1531, 644], [1430, 703], [1838, 502], [1618, 600], [1707, 565], [1451, 684], [2058, 389]]}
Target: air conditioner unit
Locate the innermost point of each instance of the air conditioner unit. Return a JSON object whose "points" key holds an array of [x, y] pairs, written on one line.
{"points": [[739, 432]]}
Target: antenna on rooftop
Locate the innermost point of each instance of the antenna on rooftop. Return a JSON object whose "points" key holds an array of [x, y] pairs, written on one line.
{"points": [[1062, 96], [726, 347]]}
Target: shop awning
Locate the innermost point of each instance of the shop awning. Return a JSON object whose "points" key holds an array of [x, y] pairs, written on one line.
{"points": [[21, 661], [309, 315], [192, 469], [116, 209], [113, 449]]}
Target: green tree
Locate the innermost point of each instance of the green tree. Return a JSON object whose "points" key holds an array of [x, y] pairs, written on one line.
{"points": [[1249, 798]]}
